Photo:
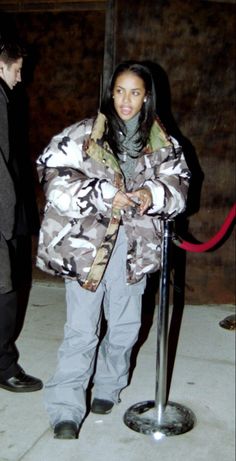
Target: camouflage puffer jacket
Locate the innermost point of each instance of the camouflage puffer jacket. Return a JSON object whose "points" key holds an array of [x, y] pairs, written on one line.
{"points": [[81, 176]]}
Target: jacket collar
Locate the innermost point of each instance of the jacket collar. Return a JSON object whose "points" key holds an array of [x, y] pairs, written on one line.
{"points": [[5, 89], [96, 149], [98, 127], [158, 138]]}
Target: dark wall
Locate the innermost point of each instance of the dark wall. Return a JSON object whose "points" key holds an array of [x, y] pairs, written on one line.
{"points": [[66, 60], [62, 71], [191, 48], [61, 78]]}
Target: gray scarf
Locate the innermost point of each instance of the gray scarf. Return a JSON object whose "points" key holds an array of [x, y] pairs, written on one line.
{"points": [[130, 149]]}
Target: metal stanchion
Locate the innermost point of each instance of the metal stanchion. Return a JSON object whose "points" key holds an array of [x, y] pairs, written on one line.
{"points": [[161, 418]]}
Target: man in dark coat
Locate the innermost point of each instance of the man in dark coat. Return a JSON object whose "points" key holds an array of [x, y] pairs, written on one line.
{"points": [[15, 226]]}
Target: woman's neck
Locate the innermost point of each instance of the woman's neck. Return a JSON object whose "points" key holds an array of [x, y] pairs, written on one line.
{"points": [[131, 126]]}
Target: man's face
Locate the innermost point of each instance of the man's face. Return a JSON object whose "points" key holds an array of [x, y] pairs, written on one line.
{"points": [[11, 73]]}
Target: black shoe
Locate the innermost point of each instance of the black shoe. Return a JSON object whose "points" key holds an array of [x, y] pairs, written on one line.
{"points": [[66, 430], [102, 407], [22, 383]]}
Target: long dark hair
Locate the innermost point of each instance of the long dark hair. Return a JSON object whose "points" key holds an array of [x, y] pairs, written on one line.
{"points": [[147, 113]]}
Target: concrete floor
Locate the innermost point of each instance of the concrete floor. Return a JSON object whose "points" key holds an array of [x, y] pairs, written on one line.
{"points": [[203, 379]]}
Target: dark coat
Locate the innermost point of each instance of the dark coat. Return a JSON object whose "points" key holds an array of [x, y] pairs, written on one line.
{"points": [[7, 189], [18, 208]]}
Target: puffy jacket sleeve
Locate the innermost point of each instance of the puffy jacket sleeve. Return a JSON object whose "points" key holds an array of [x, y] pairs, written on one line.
{"points": [[66, 182], [169, 183]]}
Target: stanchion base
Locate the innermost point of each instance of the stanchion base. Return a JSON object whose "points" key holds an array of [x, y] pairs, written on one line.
{"points": [[176, 419]]}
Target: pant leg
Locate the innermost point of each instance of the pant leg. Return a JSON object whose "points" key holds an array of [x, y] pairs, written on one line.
{"points": [[5, 267], [8, 312], [122, 307], [22, 271], [8, 352], [65, 393]]}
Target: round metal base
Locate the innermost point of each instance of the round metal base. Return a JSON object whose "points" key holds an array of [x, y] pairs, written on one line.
{"points": [[176, 419]]}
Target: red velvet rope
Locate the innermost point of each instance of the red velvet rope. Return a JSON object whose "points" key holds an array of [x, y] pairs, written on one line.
{"points": [[200, 247]]}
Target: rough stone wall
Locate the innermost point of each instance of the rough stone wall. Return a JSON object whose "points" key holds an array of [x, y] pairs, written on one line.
{"points": [[66, 62], [191, 48], [61, 72], [61, 77]]}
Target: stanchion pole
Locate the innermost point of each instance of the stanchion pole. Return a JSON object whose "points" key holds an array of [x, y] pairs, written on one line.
{"points": [[162, 324], [159, 417]]}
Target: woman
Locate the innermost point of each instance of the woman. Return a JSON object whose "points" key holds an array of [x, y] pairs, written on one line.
{"points": [[107, 181]]}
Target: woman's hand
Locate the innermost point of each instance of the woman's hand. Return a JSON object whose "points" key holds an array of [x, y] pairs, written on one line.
{"points": [[122, 201], [143, 197]]}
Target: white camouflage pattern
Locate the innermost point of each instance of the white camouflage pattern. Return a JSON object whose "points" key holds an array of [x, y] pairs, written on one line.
{"points": [[81, 176]]}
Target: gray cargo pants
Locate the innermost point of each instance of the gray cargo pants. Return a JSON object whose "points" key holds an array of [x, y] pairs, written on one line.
{"points": [[65, 393]]}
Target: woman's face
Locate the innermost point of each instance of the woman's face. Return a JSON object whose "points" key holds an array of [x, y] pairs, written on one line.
{"points": [[129, 95]]}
